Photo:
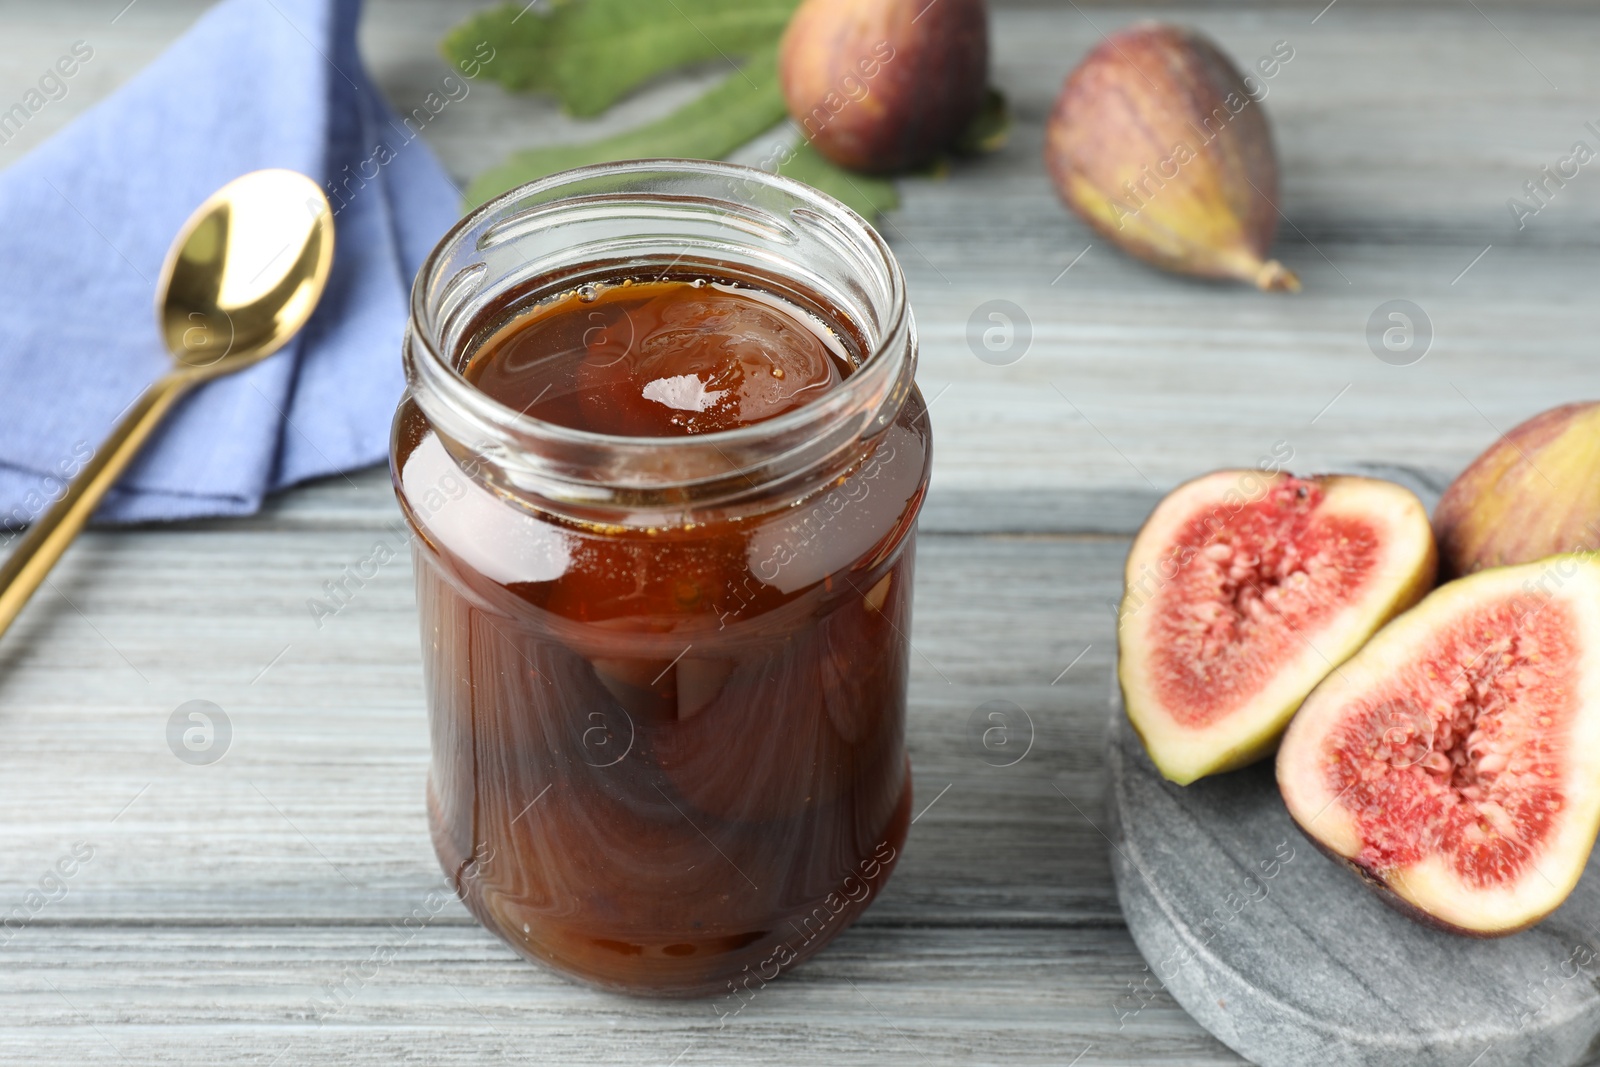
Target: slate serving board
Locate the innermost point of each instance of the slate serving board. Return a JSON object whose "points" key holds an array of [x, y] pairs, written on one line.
{"points": [[1289, 960]]}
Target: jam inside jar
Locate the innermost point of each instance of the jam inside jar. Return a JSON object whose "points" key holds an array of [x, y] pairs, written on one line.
{"points": [[662, 454]]}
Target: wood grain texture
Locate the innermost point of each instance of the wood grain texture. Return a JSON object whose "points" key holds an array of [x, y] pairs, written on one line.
{"points": [[453, 996], [329, 745], [1403, 132], [221, 899]]}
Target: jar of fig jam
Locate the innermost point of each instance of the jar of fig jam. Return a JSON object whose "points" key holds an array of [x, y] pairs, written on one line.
{"points": [[663, 455]]}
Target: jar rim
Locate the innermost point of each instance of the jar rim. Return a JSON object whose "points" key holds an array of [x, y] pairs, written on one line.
{"points": [[444, 375]]}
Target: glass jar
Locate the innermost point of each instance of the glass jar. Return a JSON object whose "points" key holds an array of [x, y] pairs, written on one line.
{"points": [[666, 677]]}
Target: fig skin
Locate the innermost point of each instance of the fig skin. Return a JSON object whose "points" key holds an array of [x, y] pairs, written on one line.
{"points": [[1310, 798], [1183, 756], [1400, 904], [884, 86], [1157, 144], [1534, 493]]}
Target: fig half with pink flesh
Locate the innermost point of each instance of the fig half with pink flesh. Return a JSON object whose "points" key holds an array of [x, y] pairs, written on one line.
{"points": [[1454, 762], [1243, 590]]}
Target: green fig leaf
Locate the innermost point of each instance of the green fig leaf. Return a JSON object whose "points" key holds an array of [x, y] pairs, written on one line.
{"points": [[515, 49], [990, 130], [866, 196], [591, 53], [730, 114]]}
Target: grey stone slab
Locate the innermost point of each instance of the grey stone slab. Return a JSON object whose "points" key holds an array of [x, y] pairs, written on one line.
{"points": [[1288, 959]]}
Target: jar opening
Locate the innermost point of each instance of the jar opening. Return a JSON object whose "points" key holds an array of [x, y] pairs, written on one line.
{"points": [[661, 356], [640, 220]]}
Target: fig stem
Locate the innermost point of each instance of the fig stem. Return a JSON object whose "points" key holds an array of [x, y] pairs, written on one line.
{"points": [[1274, 277]]}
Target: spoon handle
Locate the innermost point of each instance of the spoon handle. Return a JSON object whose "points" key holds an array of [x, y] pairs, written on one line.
{"points": [[29, 564]]}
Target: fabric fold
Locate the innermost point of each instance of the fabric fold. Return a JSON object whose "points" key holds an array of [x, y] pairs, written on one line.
{"points": [[85, 221]]}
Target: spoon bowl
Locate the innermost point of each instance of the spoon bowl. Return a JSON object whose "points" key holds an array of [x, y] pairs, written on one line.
{"points": [[246, 271]]}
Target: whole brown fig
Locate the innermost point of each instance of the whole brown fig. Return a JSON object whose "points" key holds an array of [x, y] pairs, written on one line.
{"points": [[881, 86], [1534, 493], [1157, 142]]}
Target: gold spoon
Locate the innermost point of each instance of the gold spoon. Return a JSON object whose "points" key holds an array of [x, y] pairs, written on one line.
{"points": [[242, 276]]}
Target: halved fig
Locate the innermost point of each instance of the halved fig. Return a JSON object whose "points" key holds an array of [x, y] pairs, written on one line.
{"points": [[1454, 762], [1243, 590]]}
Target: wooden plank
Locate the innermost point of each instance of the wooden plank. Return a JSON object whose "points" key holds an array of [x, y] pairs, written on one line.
{"points": [[1394, 121], [235, 891], [317, 812], [220, 899], [1136, 381], [453, 995], [1394, 124]]}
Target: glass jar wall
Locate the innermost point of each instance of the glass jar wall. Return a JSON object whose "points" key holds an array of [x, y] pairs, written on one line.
{"points": [[666, 675]]}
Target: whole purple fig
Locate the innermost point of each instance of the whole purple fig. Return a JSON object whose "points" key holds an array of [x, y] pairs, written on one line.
{"points": [[881, 86], [1159, 145], [1534, 493]]}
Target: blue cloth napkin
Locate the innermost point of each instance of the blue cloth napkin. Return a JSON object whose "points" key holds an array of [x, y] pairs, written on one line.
{"points": [[85, 221]]}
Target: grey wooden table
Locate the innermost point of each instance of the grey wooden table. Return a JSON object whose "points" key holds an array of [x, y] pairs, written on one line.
{"points": [[219, 902]]}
